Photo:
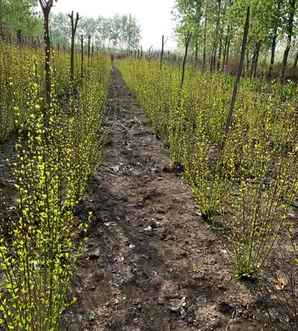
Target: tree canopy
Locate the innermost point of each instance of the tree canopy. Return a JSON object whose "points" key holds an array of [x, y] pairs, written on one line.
{"points": [[20, 15], [217, 26]]}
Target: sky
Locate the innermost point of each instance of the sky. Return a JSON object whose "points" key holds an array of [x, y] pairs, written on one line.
{"points": [[154, 16]]}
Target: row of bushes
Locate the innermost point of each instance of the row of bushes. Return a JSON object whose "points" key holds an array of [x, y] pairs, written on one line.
{"points": [[58, 147], [245, 181], [19, 67]]}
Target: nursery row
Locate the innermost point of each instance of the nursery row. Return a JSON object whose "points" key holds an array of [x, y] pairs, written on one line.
{"points": [[244, 177], [19, 67], [59, 140]]}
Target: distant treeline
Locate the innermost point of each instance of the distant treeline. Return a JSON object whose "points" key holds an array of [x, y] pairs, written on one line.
{"points": [[21, 19], [20, 15], [116, 32]]}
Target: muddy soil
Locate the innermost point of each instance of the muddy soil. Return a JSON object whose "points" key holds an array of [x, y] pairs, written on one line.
{"points": [[150, 263]]}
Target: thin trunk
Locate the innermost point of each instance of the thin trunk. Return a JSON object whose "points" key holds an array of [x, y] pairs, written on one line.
{"points": [[257, 59], [221, 36], [252, 62], [225, 52], [229, 120], [205, 41], [74, 25], [273, 49], [213, 57], [196, 51], [285, 61], [197, 27], [247, 61], [295, 61], [228, 50], [82, 56], [89, 49], [19, 37], [274, 39], [220, 51], [216, 37], [290, 30], [46, 9], [162, 51], [187, 42], [48, 78]]}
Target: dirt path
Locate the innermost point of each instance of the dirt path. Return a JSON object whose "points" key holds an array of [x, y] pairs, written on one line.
{"points": [[150, 262]]}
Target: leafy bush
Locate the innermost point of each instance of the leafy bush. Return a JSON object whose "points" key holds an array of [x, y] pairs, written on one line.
{"points": [[54, 161], [251, 179]]}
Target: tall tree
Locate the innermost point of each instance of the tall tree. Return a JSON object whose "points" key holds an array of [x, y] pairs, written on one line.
{"points": [[20, 15], [220, 30], [190, 14]]}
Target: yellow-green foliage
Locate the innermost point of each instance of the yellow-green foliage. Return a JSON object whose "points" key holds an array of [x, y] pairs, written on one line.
{"points": [[18, 67], [53, 165], [253, 179]]}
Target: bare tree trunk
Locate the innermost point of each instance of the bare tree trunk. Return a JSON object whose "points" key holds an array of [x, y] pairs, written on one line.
{"points": [[220, 51], [274, 41], [255, 59], [229, 120], [247, 61], [187, 42], [205, 40], [253, 62], [162, 51], [290, 30], [19, 37], [295, 61], [213, 57], [216, 37], [285, 61], [89, 49], [82, 56], [226, 48], [46, 7], [273, 49], [220, 36], [196, 51], [48, 78], [74, 25]]}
